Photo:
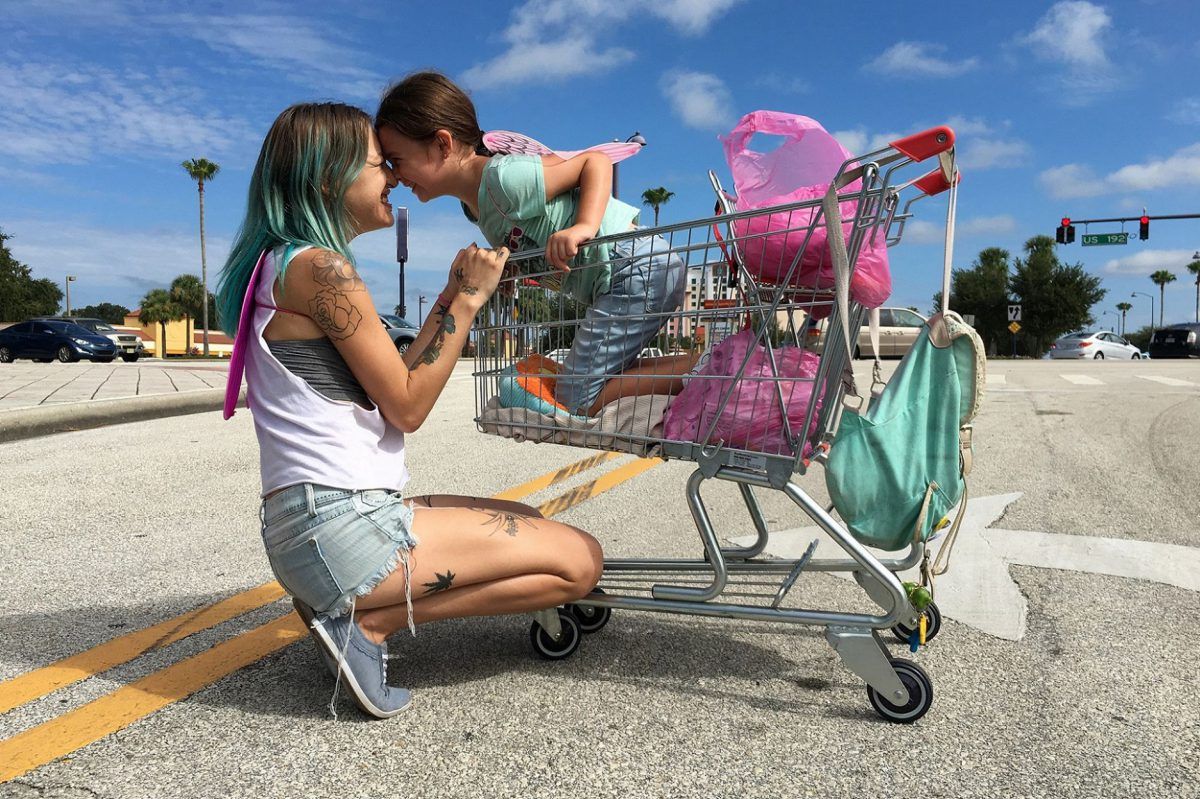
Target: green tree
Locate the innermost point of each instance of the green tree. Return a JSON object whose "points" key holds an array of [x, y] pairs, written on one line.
{"points": [[1056, 298], [982, 291], [1124, 308], [554, 313], [21, 296], [188, 293], [1161, 278], [106, 311], [655, 198], [1194, 268], [200, 170], [159, 308]]}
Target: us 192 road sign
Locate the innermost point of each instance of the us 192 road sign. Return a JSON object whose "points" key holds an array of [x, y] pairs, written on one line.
{"points": [[1105, 238]]}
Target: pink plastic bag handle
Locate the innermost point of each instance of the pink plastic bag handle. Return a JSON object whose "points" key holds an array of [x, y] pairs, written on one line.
{"points": [[920, 146], [935, 182]]}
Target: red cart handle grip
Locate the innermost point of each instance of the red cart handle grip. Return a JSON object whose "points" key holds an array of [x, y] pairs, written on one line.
{"points": [[920, 146], [935, 182]]}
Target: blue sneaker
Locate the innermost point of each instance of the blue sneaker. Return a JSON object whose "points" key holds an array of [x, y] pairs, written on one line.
{"points": [[364, 666], [309, 616]]}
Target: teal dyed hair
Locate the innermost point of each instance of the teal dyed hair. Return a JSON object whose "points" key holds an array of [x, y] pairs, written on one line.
{"points": [[311, 155]]}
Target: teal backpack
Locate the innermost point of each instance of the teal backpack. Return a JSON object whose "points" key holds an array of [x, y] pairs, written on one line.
{"points": [[895, 471]]}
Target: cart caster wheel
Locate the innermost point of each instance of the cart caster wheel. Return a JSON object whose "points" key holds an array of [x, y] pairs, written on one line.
{"points": [[591, 619], [933, 625], [920, 694], [567, 643]]}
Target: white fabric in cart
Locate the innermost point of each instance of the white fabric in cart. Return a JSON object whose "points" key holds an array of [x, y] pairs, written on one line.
{"points": [[611, 429]]}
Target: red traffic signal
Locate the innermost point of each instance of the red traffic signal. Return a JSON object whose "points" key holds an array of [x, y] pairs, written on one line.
{"points": [[1144, 228], [1066, 221]]}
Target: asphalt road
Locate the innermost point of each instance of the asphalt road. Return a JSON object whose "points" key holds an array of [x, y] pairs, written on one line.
{"points": [[107, 532]]}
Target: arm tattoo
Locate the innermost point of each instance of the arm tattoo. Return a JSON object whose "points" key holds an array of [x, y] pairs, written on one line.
{"points": [[331, 308], [331, 269], [434, 350], [444, 582], [504, 520]]}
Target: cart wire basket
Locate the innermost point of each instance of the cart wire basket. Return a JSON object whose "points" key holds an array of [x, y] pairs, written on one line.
{"points": [[726, 343]]}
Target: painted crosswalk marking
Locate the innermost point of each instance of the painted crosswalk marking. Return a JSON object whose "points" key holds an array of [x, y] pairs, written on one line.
{"points": [[1167, 381], [1082, 380]]}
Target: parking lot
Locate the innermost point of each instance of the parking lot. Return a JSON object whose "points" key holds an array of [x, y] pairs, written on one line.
{"points": [[148, 652]]}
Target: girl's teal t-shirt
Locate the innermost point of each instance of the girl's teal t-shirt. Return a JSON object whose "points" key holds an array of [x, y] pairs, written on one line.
{"points": [[514, 213]]}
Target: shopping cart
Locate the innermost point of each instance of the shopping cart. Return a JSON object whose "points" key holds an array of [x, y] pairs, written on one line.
{"points": [[760, 275]]}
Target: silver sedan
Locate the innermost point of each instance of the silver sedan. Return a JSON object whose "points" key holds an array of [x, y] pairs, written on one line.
{"points": [[1098, 345]]}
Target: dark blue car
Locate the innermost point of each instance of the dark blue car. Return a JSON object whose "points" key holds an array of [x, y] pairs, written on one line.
{"points": [[44, 341]]}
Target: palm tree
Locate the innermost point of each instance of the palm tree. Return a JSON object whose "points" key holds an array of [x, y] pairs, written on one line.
{"points": [[201, 169], [655, 198], [187, 292], [1194, 268], [1123, 307], [1161, 278], [159, 308]]}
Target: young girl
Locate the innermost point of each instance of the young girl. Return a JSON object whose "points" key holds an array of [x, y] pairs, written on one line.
{"points": [[332, 401], [430, 136]]}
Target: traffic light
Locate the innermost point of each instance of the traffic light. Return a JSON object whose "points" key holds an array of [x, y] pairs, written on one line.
{"points": [[1144, 228], [1065, 234]]}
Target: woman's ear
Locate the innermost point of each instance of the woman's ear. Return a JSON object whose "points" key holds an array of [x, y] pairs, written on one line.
{"points": [[445, 142]]}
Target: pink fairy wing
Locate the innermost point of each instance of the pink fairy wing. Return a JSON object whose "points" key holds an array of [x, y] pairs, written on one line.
{"points": [[506, 142]]}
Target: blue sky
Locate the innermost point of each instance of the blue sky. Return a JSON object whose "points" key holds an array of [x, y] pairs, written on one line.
{"points": [[1072, 108]]}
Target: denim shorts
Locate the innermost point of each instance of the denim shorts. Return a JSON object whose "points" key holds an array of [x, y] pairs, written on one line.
{"points": [[329, 546], [647, 280]]}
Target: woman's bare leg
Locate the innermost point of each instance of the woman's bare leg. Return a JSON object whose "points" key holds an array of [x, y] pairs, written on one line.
{"points": [[483, 562], [646, 376]]}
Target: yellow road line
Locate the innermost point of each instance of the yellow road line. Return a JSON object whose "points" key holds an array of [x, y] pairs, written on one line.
{"points": [[549, 479], [606, 481], [37, 746], [89, 723], [31, 685]]}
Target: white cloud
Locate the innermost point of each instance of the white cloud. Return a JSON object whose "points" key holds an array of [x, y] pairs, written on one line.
{"points": [[55, 113], [1076, 180], [552, 40], [920, 231], [983, 153], [1071, 32], [1186, 111], [1148, 261], [858, 141], [701, 100], [918, 59], [539, 62]]}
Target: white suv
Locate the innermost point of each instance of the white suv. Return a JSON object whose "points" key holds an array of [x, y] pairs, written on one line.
{"points": [[129, 345]]}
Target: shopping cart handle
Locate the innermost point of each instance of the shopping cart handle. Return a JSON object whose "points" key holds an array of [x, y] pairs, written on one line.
{"points": [[935, 182], [920, 146]]}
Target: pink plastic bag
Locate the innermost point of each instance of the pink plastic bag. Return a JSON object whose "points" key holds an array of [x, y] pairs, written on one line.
{"points": [[751, 418], [799, 169]]}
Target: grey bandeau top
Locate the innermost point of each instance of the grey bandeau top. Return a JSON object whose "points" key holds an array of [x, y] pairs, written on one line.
{"points": [[317, 362]]}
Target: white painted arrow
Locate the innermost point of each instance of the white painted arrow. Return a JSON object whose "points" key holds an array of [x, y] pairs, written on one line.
{"points": [[978, 590]]}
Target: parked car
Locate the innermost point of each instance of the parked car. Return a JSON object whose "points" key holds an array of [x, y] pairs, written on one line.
{"points": [[898, 331], [129, 345], [402, 331], [1094, 344], [43, 341], [1176, 341]]}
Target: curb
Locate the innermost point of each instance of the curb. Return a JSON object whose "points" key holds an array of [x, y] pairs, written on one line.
{"points": [[43, 420]]}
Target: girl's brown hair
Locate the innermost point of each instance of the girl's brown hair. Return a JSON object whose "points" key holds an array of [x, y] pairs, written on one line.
{"points": [[425, 102]]}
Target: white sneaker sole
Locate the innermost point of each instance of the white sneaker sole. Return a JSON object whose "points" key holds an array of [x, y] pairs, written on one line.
{"points": [[360, 698]]}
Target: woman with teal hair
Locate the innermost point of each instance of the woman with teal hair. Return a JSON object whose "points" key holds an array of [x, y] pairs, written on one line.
{"points": [[332, 401]]}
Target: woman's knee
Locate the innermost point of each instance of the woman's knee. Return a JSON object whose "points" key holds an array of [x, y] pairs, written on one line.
{"points": [[583, 564]]}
